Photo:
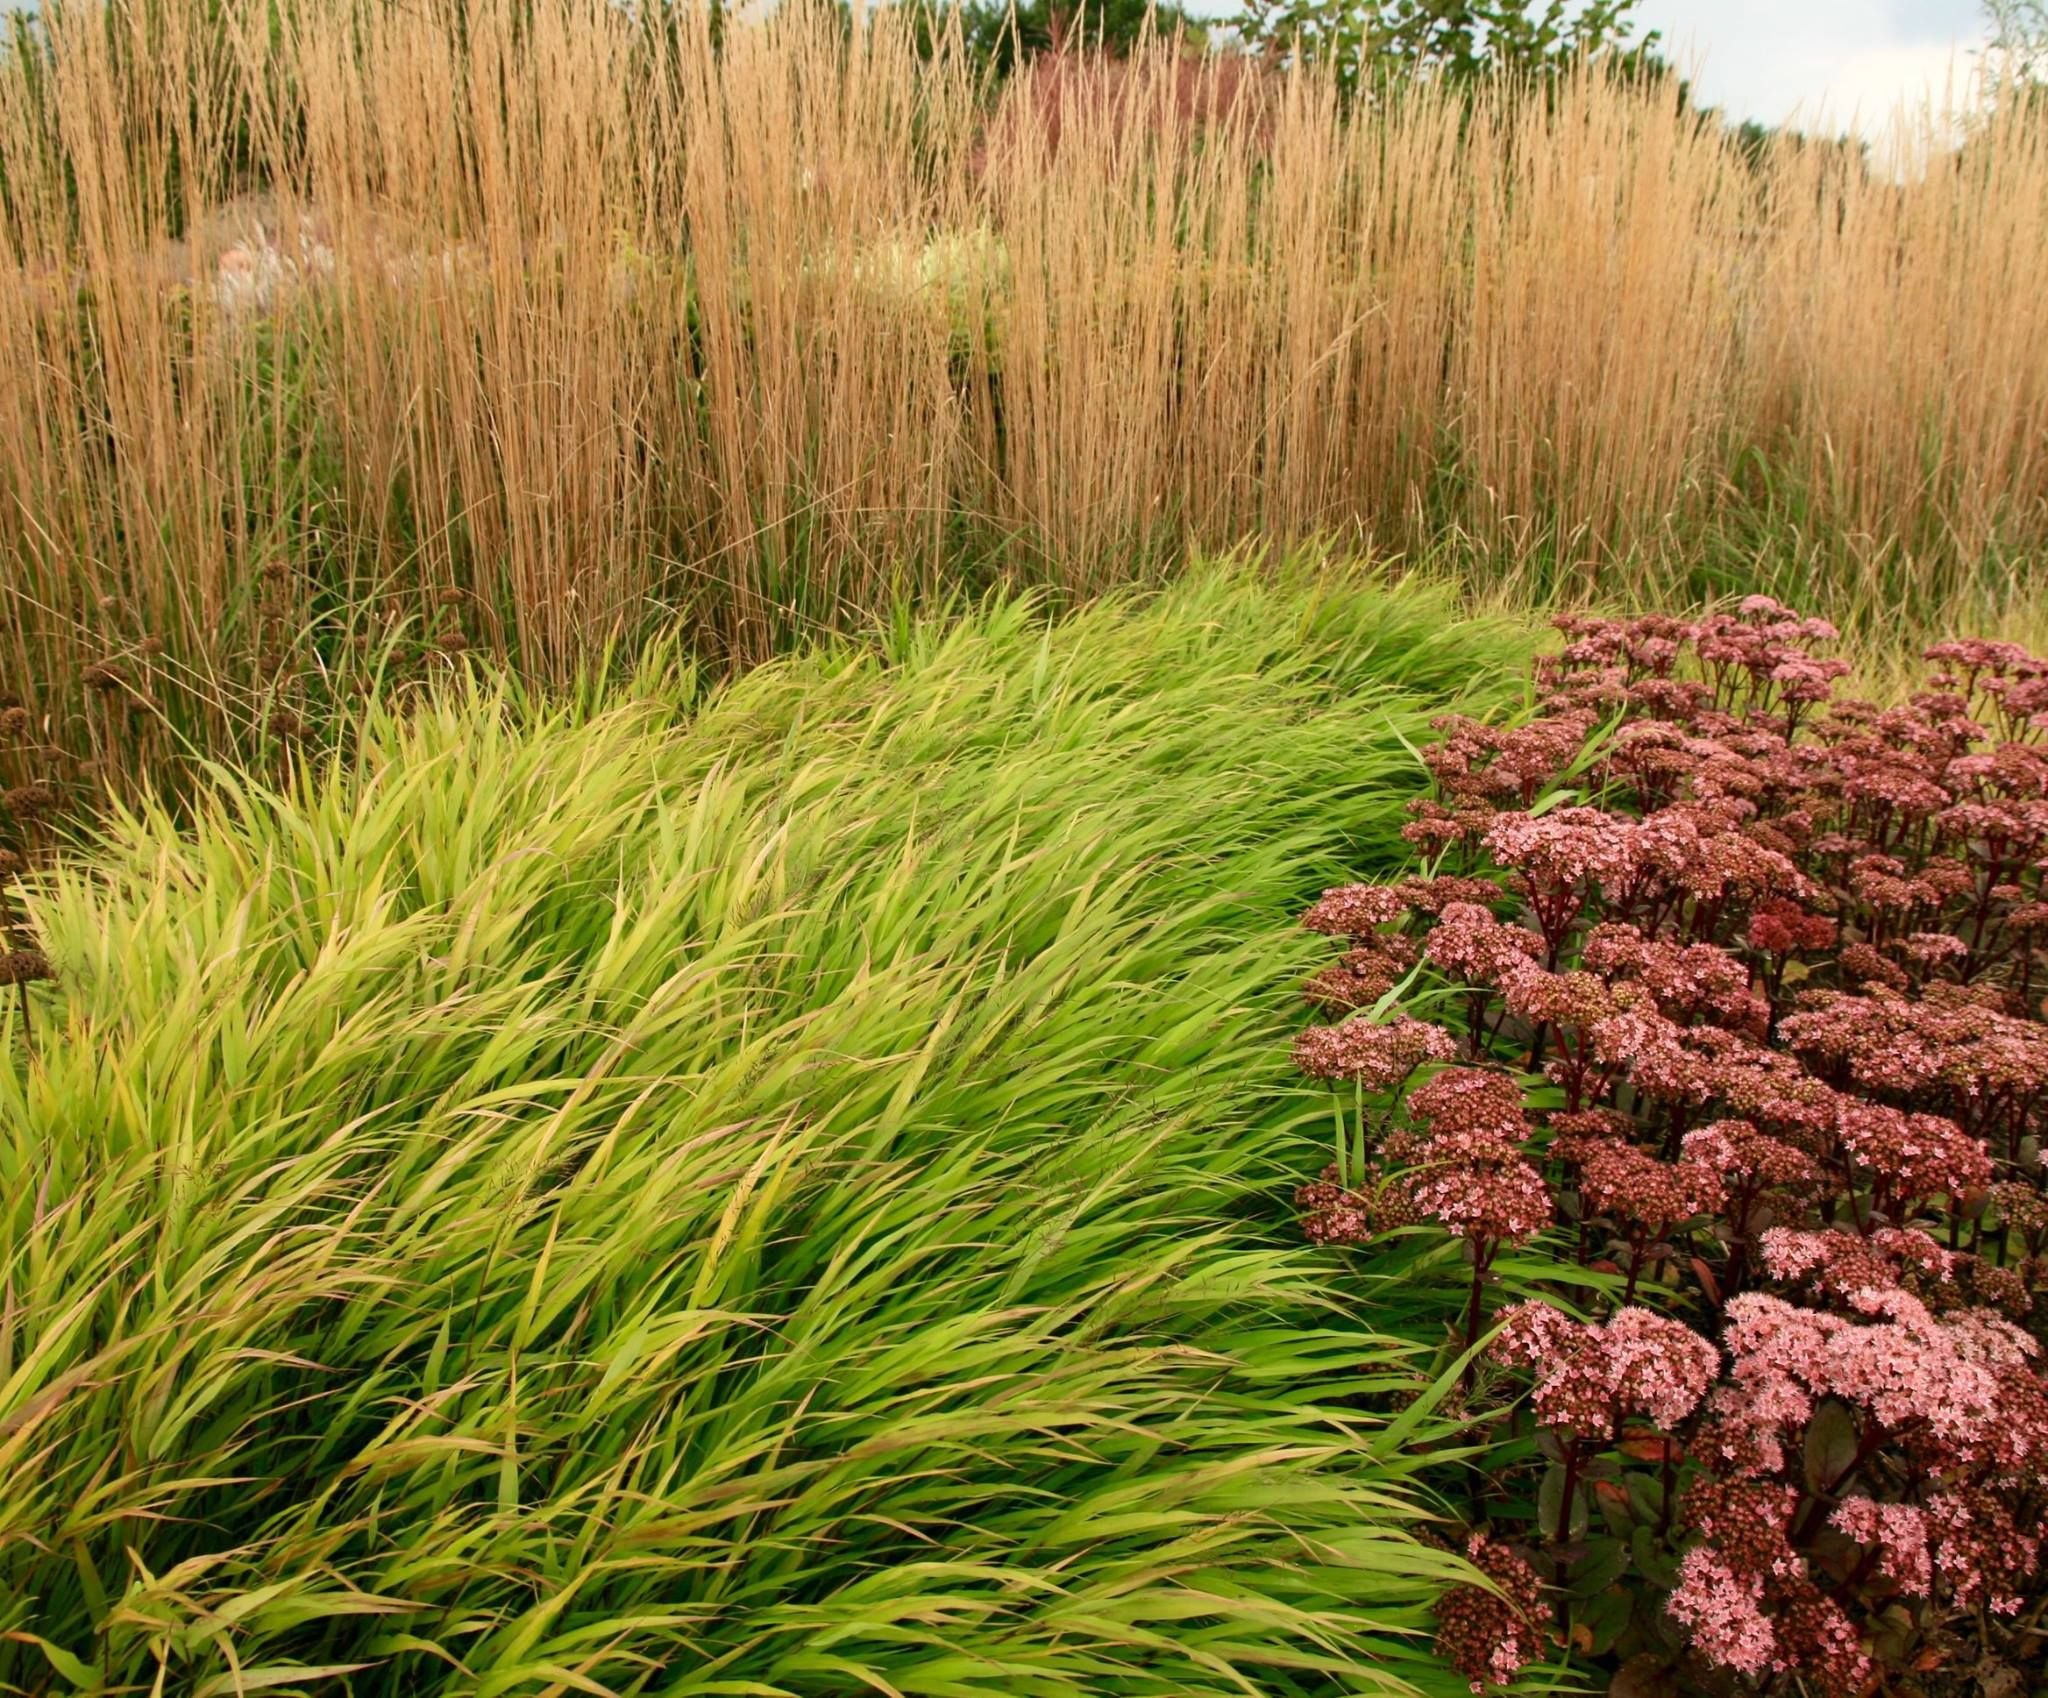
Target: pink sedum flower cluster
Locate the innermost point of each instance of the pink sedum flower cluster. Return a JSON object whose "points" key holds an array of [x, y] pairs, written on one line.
{"points": [[1489, 1636], [1379, 1057], [1724, 1609], [1587, 1378], [1466, 1170], [1937, 1385]]}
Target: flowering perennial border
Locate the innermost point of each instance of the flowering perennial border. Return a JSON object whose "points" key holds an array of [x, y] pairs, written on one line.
{"points": [[1729, 989]]}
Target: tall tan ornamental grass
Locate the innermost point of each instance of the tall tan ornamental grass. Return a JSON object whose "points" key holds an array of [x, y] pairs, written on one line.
{"points": [[533, 322]]}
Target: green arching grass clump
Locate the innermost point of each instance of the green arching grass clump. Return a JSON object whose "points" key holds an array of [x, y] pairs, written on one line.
{"points": [[762, 1194]]}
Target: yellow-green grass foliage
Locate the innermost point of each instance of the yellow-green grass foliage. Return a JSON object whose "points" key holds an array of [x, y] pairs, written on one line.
{"points": [[777, 1190]]}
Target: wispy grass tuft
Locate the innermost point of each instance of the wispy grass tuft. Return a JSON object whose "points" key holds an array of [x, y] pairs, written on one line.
{"points": [[775, 1194]]}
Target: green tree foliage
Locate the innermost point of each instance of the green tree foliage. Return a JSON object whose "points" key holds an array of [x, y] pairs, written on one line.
{"points": [[2017, 54], [999, 35], [1371, 42]]}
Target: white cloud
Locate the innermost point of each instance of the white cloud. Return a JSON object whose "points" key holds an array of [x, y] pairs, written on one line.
{"points": [[1870, 86], [1827, 64]]}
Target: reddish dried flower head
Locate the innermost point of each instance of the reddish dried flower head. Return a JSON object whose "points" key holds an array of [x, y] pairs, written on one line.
{"points": [[25, 967], [1684, 980], [1568, 1126], [1779, 926], [2022, 1208], [1631, 1185], [1893, 1044], [1491, 1636], [1481, 1198], [1468, 941], [1466, 1170], [1742, 1155], [29, 801], [1432, 827], [1363, 977], [1356, 910], [1986, 1285], [1433, 895], [1870, 966], [1748, 1521], [1899, 787], [1931, 950], [1734, 864], [1472, 1104], [1562, 999], [1822, 1643], [1971, 655], [1912, 1155], [1333, 1214], [1981, 1554], [1564, 848], [1379, 1057]]}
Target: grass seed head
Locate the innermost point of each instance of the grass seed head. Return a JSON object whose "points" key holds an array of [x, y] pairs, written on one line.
{"points": [[25, 967]]}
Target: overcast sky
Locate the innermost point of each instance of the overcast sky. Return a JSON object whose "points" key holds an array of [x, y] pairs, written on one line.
{"points": [[1828, 63], [1851, 59]]}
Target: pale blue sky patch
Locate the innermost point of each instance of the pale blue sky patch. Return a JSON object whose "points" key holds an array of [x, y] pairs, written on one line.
{"points": [[1827, 64]]}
